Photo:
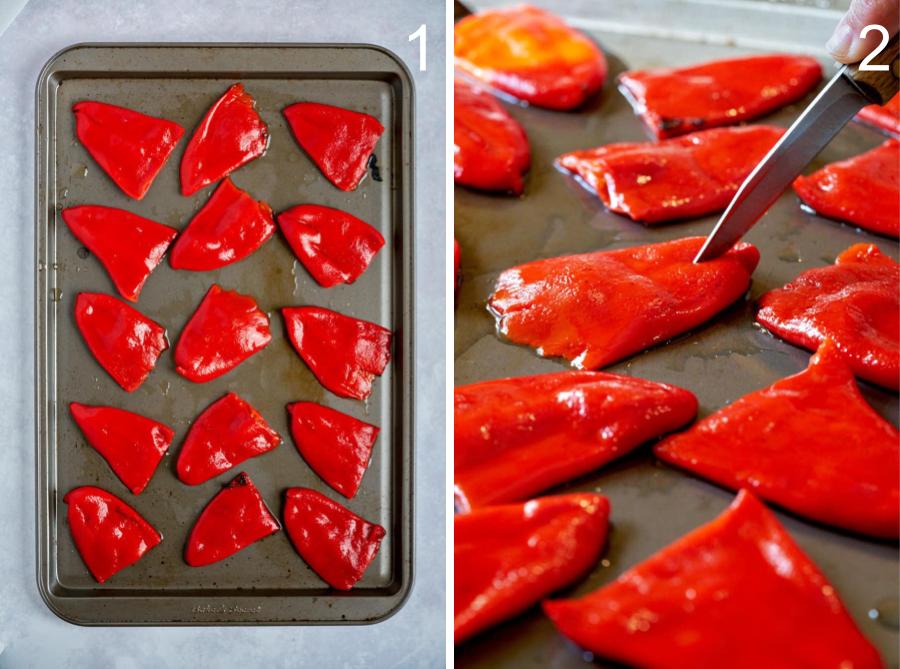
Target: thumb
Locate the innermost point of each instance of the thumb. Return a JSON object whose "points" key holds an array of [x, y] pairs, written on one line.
{"points": [[845, 44]]}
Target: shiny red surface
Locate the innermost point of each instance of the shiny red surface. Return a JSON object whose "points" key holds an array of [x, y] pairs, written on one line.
{"points": [[886, 117]]}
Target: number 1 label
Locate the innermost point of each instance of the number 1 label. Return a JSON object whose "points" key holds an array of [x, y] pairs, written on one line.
{"points": [[420, 35]]}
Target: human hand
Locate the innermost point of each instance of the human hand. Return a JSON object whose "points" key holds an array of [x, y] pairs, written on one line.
{"points": [[845, 45]]}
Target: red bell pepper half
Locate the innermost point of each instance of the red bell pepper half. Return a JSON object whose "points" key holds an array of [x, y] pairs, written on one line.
{"points": [[228, 432], [333, 246], [235, 518], [736, 592], [514, 438], [885, 117], [108, 534], [344, 353], [674, 101], [334, 541], [854, 302], [676, 178], [229, 136], [126, 343], [130, 147], [594, 309], [530, 54], [508, 558], [226, 329], [131, 444]]}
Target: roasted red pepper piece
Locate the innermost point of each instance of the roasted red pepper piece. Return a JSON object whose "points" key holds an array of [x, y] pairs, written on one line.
{"points": [[530, 54], [859, 190], [229, 227], [886, 117], [130, 147], [676, 178], [456, 261], [490, 148], [513, 438], [333, 246], [596, 308], [673, 101], [854, 302], [736, 592], [334, 541], [229, 136], [344, 353], [126, 343], [108, 534], [131, 444], [226, 329], [508, 558], [228, 432], [235, 518], [338, 140]]}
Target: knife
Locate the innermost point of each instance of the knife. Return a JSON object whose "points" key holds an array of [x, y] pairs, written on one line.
{"points": [[850, 90]]}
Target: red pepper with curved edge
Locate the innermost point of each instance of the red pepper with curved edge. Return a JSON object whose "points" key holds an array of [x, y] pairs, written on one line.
{"points": [[508, 558], [235, 518], [736, 592], [674, 101], [131, 444], [126, 343], [226, 329], [334, 541], [594, 309], [130, 147], [228, 432], [530, 54], [854, 302], [456, 261], [684, 177], [333, 246], [108, 534], [344, 353], [231, 134], [884, 117]]}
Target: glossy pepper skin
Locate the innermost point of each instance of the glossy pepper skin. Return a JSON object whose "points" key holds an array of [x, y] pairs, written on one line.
{"points": [[344, 353], [736, 592], [334, 246], [513, 438], [675, 101], [229, 227], [130, 147], [490, 148], [230, 135], [507, 558], [885, 117], [235, 518], [126, 343], [530, 54], [594, 309], [334, 541], [226, 329], [854, 302], [677, 178], [131, 444], [108, 534], [228, 432]]}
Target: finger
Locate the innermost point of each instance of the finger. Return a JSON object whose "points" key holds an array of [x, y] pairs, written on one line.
{"points": [[845, 44]]}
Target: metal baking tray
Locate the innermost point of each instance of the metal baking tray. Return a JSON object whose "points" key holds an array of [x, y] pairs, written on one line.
{"points": [[653, 504], [267, 583]]}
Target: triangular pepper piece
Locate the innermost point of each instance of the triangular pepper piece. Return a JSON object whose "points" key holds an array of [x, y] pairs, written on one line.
{"points": [[126, 343], [338, 140], [344, 353], [108, 533], [230, 135], [507, 558], [131, 444], [129, 246], [854, 302], [884, 117], [333, 246], [594, 309], [736, 592], [235, 518], [130, 147], [226, 329], [334, 541]]}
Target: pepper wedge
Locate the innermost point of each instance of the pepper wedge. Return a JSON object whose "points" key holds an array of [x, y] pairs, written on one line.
{"points": [[884, 117]]}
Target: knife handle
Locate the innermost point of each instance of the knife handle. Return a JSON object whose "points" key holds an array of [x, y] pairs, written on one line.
{"points": [[881, 86]]}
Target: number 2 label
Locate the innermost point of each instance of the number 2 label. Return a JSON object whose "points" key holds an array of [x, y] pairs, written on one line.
{"points": [[420, 35], [864, 66]]}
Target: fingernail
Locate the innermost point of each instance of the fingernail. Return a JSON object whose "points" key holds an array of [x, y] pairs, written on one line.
{"points": [[840, 41]]}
